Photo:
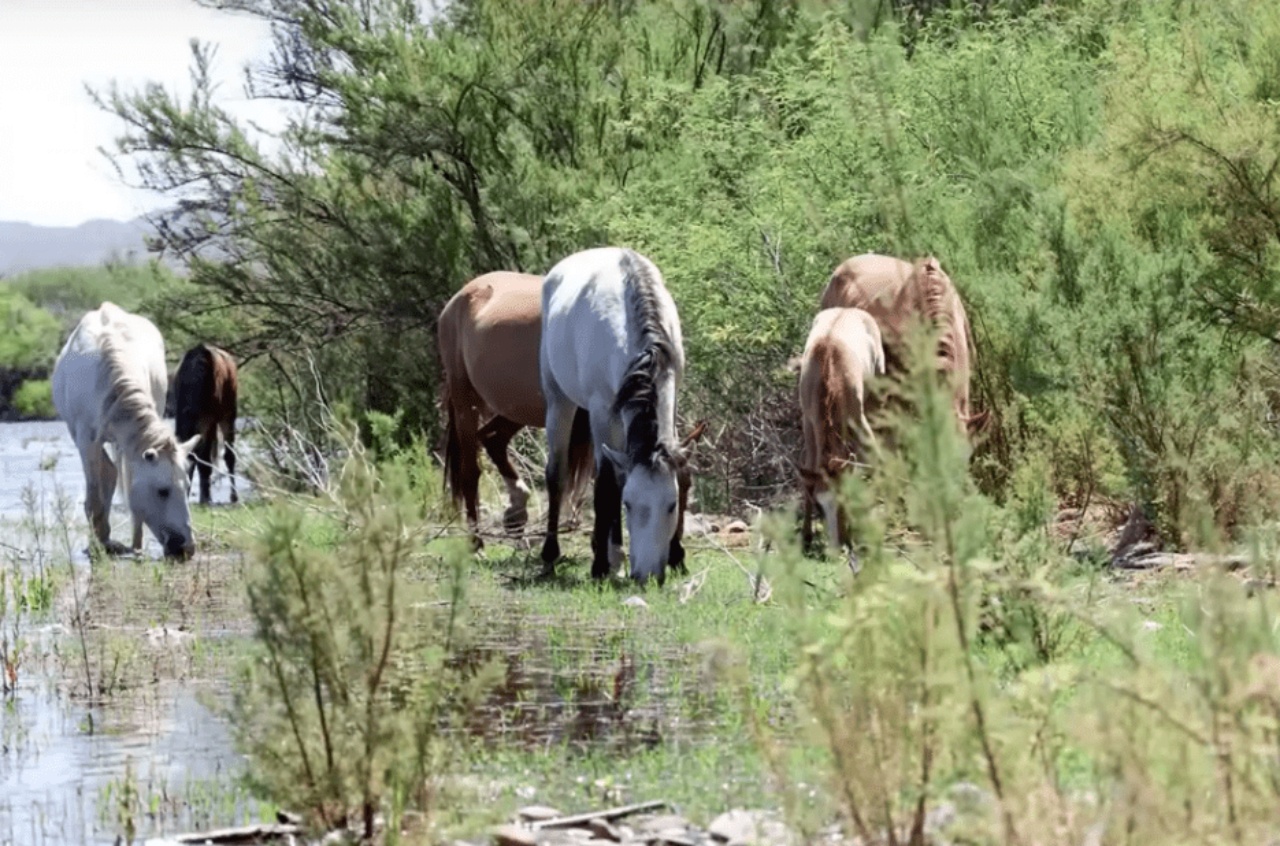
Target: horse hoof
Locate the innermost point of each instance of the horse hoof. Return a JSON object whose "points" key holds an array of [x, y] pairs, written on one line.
{"points": [[550, 551], [476, 543], [234, 498], [116, 549]]}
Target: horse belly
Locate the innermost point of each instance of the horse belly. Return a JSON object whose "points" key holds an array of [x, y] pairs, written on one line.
{"points": [[502, 364]]}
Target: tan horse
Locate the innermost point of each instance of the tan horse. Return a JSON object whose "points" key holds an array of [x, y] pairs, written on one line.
{"points": [[489, 334], [897, 293], [843, 353]]}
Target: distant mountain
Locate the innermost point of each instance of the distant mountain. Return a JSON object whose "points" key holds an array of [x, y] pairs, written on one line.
{"points": [[25, 246]]}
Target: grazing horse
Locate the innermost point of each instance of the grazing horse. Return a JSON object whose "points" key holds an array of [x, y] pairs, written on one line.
{"points": [[204, 402], [843, 353], [109, 386], [611, 343], [897, 293], [488, 335]]}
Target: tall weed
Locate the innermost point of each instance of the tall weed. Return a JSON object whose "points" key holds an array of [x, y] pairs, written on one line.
{"points": [[346, 706]]}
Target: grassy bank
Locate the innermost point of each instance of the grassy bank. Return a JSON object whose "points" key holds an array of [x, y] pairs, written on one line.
{"points": [[367, 665]]}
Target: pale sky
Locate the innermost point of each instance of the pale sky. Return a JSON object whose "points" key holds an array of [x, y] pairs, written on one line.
{"points": [[51, 172]]}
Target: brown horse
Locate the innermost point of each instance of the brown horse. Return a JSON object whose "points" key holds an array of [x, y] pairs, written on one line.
{"points": [[896, 294], [489, 334], [204, 403], [843, 353]]}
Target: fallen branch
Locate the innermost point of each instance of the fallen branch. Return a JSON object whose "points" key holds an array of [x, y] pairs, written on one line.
{"points": [[606, 814], [243, 834]]}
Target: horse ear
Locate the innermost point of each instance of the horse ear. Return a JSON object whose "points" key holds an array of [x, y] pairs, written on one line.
{"points": [[189, 445], [149, 455], [621, 464], [694, 436]]}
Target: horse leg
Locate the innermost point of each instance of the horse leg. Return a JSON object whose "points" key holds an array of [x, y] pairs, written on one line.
{"points": [[205, 451], [93, 460], [495, 436], [675, 556], [606, 539], [108, 476], [830, 506], [559, 428], [229, 453]]}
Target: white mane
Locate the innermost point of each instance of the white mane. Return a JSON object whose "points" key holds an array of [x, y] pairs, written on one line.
{"points": [[128, 408]]}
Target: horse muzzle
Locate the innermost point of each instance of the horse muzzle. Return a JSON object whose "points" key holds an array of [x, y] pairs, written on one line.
{"points": [[176, 546]]}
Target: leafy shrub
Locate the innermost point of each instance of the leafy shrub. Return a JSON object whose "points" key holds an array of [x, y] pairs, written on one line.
{"points": [[1101, 203], [346, 707], [29, 335], [34, 398]]}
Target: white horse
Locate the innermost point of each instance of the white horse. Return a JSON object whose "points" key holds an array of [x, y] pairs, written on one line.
{"points": [[611, 344], [109, 386]]}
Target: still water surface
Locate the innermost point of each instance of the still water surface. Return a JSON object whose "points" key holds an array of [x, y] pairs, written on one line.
{"points": [[63, 759]]}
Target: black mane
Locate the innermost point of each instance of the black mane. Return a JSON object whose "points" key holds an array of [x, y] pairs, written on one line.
{"points": [[638, 396]]}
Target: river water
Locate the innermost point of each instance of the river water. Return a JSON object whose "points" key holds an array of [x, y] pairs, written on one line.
{"points": [[63, 757]]}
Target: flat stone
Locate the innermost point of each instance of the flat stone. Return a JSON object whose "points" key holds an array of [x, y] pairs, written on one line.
{"points": [[661, 822], [672, 837], [538, 813], [602, 829], [635, 602], [736, 527], [514, 835], [698, 525], [744, 827], [577, 835]]}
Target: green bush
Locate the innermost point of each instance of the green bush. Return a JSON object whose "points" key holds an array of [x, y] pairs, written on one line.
{"points": [[34, 398], [1102, 202], [29, 335], [346, 708]]}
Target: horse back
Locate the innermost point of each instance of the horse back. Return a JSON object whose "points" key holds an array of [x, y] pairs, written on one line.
{"points": [[205, 390], [80, 379], [843, 352], [590, 335]]}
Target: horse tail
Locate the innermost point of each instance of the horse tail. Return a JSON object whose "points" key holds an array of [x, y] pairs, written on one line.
{"points": [[447, 346], [452, 451], [581, 452]]}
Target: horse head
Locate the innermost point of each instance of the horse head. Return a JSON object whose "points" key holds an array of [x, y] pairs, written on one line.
{"points": [[158, 489], [650, 498]]}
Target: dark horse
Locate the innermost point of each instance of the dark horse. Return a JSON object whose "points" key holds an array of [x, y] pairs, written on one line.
{"points": [[204, 403]]}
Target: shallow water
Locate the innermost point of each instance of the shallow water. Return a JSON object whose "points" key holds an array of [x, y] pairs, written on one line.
{"points": [[41, 480], [63, 760]]}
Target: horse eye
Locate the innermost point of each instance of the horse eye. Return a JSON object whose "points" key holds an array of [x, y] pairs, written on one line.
{"points": [[626, 505], [163, 493], [671, 509]]}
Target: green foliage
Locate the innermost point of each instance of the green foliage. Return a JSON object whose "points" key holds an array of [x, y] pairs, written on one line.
{"points": [[346, 707], [68, 292], [1098, 178], [34, 398], [29, 336], [966, 655]]}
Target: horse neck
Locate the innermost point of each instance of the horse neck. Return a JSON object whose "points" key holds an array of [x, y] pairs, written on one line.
{"points": [[662, 412], [135, 431]]}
